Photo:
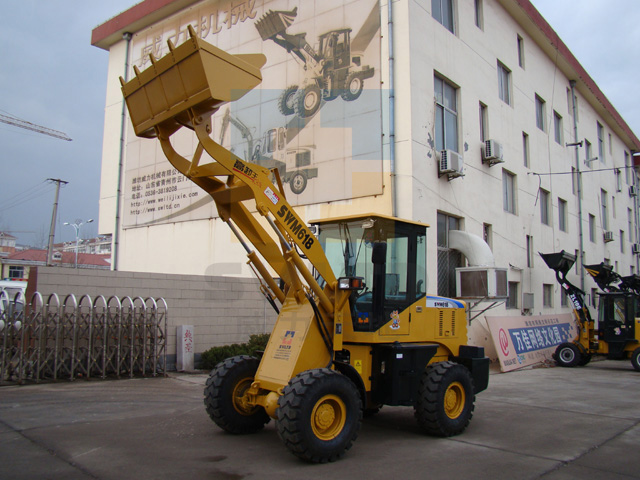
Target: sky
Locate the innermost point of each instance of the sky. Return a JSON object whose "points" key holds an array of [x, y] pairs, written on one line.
{"points": [[51, 75]]}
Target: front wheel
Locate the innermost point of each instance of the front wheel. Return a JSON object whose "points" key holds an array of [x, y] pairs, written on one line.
{"points": [[307, 101], [319, 415], [298, 183], [445, 399], [225, 396], [353, 86], [635, 359], [567, 355]]}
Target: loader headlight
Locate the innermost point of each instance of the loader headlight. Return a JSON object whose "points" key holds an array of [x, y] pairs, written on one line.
{"points": [[350, 283]]}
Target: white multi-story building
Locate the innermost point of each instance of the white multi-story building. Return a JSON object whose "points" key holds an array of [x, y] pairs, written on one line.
{"points": [[468, 115]]}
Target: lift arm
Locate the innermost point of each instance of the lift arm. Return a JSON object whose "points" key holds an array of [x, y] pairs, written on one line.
{"points": [[184, 89]]}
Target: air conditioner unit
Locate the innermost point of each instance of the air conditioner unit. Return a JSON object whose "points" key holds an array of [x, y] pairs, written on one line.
{"points": [[481, 282], [527, 301], [608, 236], [635, 248], [633, 191], [450, 163], [492, 152]]}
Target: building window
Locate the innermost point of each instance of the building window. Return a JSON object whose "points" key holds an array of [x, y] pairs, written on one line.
{"points": [[487, 234], [547, 295], [446, 115], [592, 228], [15, 272], [564, 299], [478, 14], [610, 145], [484, 125], [557, 127], [520, 51], [574, 181], [529, 251], [512, 299], [540, 113], [562, 215], [621, 241], [604, 211], [628, 168], [630, 225], [600, 129], [525, 150], [544, 207], [618, 175], [509, 191], [448, 258], [570, 104], [504, 83], [442, 11], [588, 153], [594, 297]]}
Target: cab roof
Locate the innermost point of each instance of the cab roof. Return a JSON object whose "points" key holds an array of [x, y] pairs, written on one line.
{"points": [[365, 216]]}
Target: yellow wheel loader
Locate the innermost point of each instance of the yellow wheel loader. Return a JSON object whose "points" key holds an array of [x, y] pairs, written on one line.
{"points": [[617, 332], [354, 332]]}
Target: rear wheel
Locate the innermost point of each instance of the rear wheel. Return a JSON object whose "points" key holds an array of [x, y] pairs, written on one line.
{"points": [[635, 359], [353, 86], [567, 355], [445, 399], [319, 415], [298, 183], [225, 396]]}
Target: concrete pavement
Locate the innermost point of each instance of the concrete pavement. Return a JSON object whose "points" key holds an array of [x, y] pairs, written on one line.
{"points": [[550, 423]]}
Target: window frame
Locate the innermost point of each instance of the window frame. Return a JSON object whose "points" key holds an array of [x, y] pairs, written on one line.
{"points": [[545, 208], [450, 8], [509, 191], [563, 224], [504, 83], [442, 107], [541, 113]]}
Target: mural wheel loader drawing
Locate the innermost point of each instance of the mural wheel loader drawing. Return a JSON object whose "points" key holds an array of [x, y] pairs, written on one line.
{"points": [[331, 71]]}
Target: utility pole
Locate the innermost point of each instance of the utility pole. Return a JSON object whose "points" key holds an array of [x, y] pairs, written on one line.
{"points": [[52, 230]]}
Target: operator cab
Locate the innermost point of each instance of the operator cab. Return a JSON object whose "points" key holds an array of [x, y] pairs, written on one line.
{"points": [[617, 313], [387, 253]]}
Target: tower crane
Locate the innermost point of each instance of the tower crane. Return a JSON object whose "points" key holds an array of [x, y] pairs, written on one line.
{"points": [[16, 122]]}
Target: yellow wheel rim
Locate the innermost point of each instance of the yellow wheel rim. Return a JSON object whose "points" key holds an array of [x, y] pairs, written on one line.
{"points": [[454, 400], [240, 399], [328, 417]]}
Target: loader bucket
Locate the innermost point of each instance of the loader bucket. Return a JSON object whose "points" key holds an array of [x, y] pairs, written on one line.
{"points": [[272, 23], [560, 262], [197, 76], [631, 283], [603, 275]]}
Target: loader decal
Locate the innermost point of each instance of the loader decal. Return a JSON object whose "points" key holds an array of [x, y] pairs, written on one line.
{"points": [[295, 228]]}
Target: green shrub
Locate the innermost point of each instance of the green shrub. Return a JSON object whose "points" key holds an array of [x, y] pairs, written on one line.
{"points": [[210, 358]]}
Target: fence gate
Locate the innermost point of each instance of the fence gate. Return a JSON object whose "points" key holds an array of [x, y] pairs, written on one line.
{"points": [[85, 338]]}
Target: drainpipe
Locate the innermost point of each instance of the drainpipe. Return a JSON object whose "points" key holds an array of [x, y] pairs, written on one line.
{"points": [[116, 234], [579, 181], [392, 113]]}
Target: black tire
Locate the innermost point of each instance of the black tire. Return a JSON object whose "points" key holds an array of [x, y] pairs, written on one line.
{"points": [[635, 359], [319, 415], [445, 399], [567, 355], [585, 358], [224, 392], [308, 100], [353, 87], [286, 102], [298, 183]]}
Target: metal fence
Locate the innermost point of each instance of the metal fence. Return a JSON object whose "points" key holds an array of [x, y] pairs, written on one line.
{"points": [[86, 338]]}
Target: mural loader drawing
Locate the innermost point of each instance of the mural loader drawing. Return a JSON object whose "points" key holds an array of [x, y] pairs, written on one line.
{"points": [[360, 334], [331, 71]]}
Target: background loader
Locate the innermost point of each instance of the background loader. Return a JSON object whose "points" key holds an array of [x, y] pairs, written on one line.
{"points": [[616, 334], [360, 333]]}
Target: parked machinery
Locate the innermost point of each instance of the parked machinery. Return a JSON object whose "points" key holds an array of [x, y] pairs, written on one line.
{"points": [[331, 71], [360, 334], [617, 334]]}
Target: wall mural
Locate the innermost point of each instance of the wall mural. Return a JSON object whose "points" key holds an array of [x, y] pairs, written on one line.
{"points": [[316, 116]]}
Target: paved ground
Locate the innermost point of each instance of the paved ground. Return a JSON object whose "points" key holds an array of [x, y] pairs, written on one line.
{"points": [[550, 423]]}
